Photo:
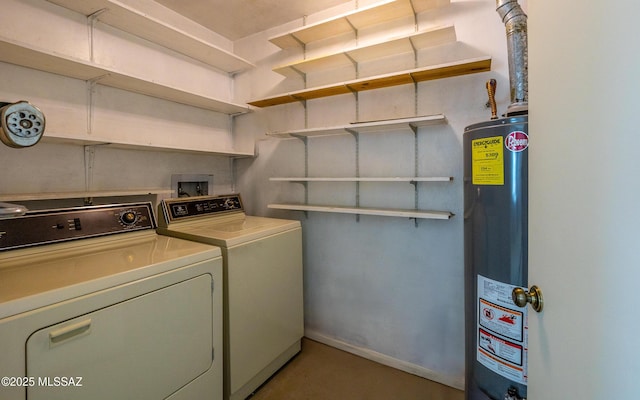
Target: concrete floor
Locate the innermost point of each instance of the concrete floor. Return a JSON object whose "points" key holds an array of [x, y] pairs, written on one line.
{"points": [[322, 372]]}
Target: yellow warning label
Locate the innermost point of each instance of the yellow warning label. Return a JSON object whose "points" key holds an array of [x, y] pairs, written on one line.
{"points": [[487, 161]]}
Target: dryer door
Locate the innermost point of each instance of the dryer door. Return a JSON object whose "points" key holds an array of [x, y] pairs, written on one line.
{"points": [[147, 347]]}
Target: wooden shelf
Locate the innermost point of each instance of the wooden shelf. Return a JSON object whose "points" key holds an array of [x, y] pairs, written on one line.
{"points": [[151, 24], [440, 71], [405, 44], [353, 21], [374, 14], [25, 55], [402, 179], [366, 127], [418, 214], [82, 194]]}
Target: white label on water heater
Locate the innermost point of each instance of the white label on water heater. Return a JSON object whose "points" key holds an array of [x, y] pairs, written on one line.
{"points": [[501, 330]]}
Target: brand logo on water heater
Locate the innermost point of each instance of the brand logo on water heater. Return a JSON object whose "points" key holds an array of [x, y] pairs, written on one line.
{"points": [[516, 141]]}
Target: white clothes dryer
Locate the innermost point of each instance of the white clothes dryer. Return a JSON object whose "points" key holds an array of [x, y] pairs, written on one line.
{"points": [[94, 304], [262, 260]]}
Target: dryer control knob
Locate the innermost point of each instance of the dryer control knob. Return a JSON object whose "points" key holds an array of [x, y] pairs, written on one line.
{"points": [[128, 217]]}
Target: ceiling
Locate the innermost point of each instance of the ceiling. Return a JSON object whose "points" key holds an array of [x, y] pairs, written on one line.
{"points": [[235, 19]]}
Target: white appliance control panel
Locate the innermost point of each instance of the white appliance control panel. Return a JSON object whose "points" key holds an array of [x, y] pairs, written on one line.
{"points": [[181, 208], [60, 225]]}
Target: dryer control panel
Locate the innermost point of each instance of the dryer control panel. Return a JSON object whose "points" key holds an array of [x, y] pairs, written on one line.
{"points": [[181, 208], [60, 225]]}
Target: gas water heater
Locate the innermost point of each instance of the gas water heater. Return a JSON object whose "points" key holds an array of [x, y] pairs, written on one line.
{"points": [[495, 225], [495, 233]]}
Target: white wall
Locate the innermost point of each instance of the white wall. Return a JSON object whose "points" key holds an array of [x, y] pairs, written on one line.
{"points": [[380, 286], [100, 115]]}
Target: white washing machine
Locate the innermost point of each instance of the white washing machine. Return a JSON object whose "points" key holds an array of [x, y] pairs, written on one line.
{"points": [[262, 258], [94, 304]]}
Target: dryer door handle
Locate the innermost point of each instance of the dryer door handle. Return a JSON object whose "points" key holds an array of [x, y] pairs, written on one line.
{"points": [[70, 331]]}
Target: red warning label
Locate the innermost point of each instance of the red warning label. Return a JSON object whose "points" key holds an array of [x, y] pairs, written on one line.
{"points": [[501, 320], [507, 351], [502, 330]]}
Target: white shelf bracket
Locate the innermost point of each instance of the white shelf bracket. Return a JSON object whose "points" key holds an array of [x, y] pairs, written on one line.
{"points": [[305, 140], [415, 53], [416, 155], [356, 95], [415, 15], [355, 30], [89, 158], [356, 136], [302, 74], [416, 158], [415, 99], [91, 20], [355, 65], [306, 111], [302, 44], [91, 85]]}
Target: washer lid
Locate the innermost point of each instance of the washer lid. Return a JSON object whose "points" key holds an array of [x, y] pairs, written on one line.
{"points": [[230, 230]]}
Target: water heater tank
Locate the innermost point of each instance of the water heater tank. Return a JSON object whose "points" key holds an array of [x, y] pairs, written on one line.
{"points": [[495, 233]]}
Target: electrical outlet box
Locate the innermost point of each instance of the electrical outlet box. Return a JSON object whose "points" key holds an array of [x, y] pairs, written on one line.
{"points": [[191, 185]]}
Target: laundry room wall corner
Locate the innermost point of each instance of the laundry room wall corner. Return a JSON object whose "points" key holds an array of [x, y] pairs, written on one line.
{"points": [[384, 287]]}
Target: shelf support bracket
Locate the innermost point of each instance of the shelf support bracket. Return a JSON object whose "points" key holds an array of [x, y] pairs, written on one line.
{"points": [[301, 100], [91, 19], [415, 98], [356, 136], [91, 85], [302, 74], [416, 158], [415, 15], [89, 158], [355, 30], [305, 140], [301, 43], [415, 54], [355, 65], [356, 95], [416, 155], [306, 111]]}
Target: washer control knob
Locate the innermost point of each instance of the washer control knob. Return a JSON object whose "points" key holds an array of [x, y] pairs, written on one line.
{"points": [[229, 204], [128, 217]]}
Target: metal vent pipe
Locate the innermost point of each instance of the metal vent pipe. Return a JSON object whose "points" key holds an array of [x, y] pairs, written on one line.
{"points": [[515, 21]]}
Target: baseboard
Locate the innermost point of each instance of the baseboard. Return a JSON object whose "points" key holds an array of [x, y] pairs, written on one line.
{"points": [[451, 381], [262, 376]]}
